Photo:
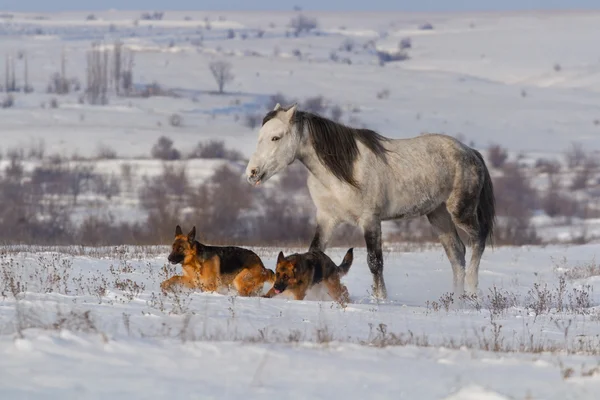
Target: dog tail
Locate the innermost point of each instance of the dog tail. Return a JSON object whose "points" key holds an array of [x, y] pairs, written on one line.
{"points": [[269, 275], [347, 261]]}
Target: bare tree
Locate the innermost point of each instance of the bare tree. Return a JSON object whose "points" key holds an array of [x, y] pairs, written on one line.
{"points": [[122, 71], [221, 70], [117, 65], [9, 75], [163, 150], [497, 155], [302, 23], [97, 76], [26, 88]]}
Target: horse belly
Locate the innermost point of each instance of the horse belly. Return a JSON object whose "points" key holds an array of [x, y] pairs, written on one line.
{"points": [[414, 201]]}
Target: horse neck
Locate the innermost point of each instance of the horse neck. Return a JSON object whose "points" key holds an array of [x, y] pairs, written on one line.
{"points": [[307, 155]]}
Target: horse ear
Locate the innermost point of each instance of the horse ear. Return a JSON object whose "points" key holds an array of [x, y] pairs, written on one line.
{"points": [[280, 257], [178, 231], [192, 234], [289, 114], [277, 107]]}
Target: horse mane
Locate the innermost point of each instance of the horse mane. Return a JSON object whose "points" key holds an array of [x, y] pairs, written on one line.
{"points": [[336, 144]]}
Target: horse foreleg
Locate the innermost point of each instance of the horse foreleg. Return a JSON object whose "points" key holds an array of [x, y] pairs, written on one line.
{"points": [[325, 228], [372, 234]]}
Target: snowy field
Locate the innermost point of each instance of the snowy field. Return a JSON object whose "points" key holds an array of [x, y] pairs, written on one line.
{"points": [[91, 323], [528, 81]]}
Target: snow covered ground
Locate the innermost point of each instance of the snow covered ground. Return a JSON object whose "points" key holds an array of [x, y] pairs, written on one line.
{"points": [[515, 342], [528, 81], [83, 323]]}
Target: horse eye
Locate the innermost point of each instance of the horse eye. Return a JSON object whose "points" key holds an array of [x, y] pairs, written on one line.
{"points": [[275, 138]]}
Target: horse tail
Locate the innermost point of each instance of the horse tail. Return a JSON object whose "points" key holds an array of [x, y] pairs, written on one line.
{"points": [[486, 209], [347, 262]]}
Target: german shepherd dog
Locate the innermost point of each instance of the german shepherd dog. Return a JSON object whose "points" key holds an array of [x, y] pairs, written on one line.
{"points": [[297, 273], [210, 268]]}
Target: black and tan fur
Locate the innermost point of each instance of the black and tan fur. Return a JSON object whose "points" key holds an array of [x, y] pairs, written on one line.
{"points": [[212, 268], [297, 273]]}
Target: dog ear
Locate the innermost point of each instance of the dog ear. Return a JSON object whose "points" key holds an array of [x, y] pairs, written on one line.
{"points": [[178, 231], [192, 234], [280, 257]]}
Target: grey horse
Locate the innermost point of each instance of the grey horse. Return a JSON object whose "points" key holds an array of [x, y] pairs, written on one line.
{"points": [[360, 177]]}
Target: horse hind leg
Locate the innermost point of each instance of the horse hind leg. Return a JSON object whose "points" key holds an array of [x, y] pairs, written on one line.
{"points": [[445, 229], [464, 215]]}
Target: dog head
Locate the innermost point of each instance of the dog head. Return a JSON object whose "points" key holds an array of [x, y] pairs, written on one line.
{"points": [[285, 273], [182, 246]]}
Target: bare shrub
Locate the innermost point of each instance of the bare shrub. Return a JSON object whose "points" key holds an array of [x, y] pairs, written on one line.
{"points": [[36, 150], [154, 16], [108, 187], [54, 102], [514, 194], [163, 150], [584, 271], [584, 173], [302, 23], [218, 205], [405, 43], [555, 202], [156, 89], [314, 105], [336, 113], [545, 166], [32, 216], [175, 180], [221, 71], [161, 197], [105, 152], [59, 84], [540, 299], [8, 101], [515, 200], [230, 34], [293, 179], [175, 120], [348, 45], [498, 301], [413, 230], [59, 178], [252, 121], [383, 94], [279, 99], [385, 56], [426, 26], [283, 224], [497, 155], [215, 149], [575, 155]]}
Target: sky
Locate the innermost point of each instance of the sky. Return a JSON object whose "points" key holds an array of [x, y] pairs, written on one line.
{"points": [[330, 5]]}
